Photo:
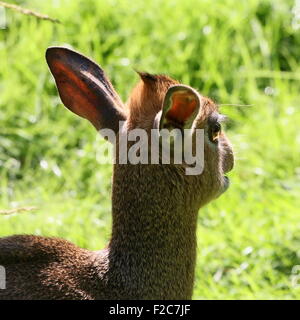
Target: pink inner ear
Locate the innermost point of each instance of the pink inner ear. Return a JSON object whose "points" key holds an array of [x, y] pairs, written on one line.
{"points": [[184, 103], [74, 93]]}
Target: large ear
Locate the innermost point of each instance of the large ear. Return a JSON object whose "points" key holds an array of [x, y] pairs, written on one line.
{"points": [[180, 107], [84, 88]]}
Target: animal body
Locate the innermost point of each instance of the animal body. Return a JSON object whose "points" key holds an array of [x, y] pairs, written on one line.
{"points": [[152, 250]]}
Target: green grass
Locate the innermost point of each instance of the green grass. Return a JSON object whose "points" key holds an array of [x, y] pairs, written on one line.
{"points": [[243, 52]]}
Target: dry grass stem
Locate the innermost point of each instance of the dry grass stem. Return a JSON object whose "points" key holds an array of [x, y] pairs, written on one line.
{"points": [[28, 12]]}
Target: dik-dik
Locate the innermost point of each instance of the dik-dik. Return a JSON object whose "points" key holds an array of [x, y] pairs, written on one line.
{"points": [[152, 250]]}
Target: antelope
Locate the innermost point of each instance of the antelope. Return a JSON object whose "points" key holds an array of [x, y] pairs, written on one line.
{"points": [[152, 250]]}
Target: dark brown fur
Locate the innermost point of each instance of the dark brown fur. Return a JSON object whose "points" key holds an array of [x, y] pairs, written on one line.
{"points": [[152, 251]]}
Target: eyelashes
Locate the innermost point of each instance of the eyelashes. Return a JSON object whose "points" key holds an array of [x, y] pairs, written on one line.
{"points": [[222, 118]]}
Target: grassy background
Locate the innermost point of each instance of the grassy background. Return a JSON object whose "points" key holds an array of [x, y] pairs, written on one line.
{"points": [[233, 51]]}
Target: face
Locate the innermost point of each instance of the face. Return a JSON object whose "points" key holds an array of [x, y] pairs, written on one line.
{"points": [[166, 108]]}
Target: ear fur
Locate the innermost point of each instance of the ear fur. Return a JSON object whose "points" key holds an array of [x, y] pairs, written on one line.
{"points": [[180, 107]]}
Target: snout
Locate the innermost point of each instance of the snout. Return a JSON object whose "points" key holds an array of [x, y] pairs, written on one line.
{"points": [[227, 164], [228, 158], [228, 161]]}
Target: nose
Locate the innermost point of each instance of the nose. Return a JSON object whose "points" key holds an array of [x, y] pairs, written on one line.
{"points": [[228, 159]]}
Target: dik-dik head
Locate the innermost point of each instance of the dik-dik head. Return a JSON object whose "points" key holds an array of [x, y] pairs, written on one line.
{"points": [[157, 102]]}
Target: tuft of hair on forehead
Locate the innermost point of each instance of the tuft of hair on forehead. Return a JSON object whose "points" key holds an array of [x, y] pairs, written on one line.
{"points": [[147, 97], [152, 79]]}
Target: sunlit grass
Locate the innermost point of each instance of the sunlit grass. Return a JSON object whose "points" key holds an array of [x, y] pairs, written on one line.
{"points": [[240, 52]]}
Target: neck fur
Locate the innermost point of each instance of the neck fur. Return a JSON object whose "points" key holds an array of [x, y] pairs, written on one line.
{"points": [[153, 245]]}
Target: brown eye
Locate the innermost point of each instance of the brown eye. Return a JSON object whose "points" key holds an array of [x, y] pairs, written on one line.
{"points": [[215, 131]]}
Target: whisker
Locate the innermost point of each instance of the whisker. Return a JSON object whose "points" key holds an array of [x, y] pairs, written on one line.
{"points": [[235, 105]]}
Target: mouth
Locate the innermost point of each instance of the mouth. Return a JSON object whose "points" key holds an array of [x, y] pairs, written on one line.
{"points": [[226, 183]]}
